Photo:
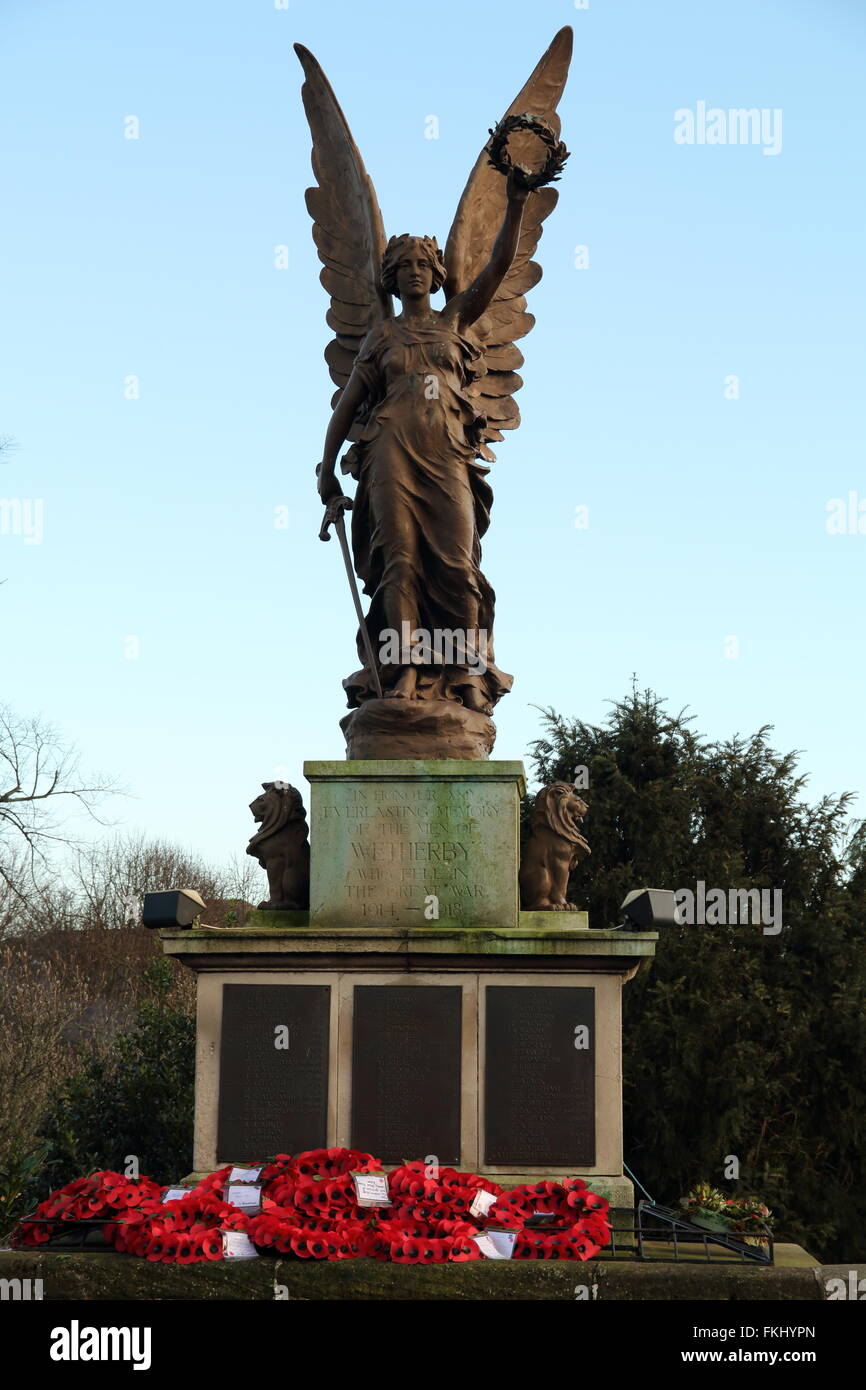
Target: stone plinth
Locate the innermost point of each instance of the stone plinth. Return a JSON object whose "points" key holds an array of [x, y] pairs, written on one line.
{"points": [[403, 842], [497, 1049]]}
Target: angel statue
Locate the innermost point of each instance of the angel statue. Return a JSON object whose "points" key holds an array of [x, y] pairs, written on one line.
{"points": [[421, 395]]}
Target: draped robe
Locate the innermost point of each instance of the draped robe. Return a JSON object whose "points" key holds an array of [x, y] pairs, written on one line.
{"points": [[422, 504]]}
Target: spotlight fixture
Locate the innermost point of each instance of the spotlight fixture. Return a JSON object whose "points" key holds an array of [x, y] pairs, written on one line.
{"points": [[177, 908], [645, 908]]}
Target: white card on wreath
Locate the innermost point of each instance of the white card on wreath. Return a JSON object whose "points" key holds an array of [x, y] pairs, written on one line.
{"points": [[246, 1195], [371, 1189], [245, 1174], [482, 1202], [174, 1194], [238, 1246], [496, 1245]]}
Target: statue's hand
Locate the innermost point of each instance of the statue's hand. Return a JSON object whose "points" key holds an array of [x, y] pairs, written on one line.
{"points": [[335, 505], [326, 483], [516, 187]]}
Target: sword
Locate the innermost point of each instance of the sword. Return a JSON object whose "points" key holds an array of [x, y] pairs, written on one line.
{"points": [[334, 517]]}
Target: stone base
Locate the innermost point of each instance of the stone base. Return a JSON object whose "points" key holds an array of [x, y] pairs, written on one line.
{"points": [[427, 729], [497, 1050]]}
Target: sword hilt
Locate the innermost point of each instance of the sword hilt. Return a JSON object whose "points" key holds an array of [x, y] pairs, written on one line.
{"points": [[334, 509]]}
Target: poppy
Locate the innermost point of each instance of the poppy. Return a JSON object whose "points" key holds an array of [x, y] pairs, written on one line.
{"points": [[448, 1178], [185, 1251], [406, 1251], [298, 1242], [196, 1249], [170, 1244], [261, 1232], [305, 1196], [462, 1199], [463, 1249], [584, 1249], [212, 1246], [274, 1168], [282, 1191], [596, 1226]]}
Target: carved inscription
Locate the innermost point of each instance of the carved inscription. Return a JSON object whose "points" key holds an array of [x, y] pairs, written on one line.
{"points": [[413, 852], [540, 1075], [273, 1098], [406, 1071]]}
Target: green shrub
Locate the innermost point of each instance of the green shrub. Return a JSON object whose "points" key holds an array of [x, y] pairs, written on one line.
{"points": [[135, 1103]]}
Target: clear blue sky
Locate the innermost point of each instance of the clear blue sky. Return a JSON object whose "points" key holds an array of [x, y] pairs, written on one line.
{"points": [[155, 258]]}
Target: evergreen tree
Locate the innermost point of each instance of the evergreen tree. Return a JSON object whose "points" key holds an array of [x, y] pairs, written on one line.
{"points": [[736, 1043]]}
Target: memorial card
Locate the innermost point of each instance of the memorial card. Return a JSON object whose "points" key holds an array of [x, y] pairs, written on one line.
{"points": [[247, 1196], [496, 1244], [245, 1174], [482, 1202], [238, 1246], [371, 1189]]}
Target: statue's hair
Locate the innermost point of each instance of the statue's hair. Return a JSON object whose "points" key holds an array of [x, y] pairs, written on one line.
{"points": [[395, 249], [560, 809]]}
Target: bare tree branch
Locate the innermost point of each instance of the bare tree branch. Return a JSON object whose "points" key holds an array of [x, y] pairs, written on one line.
{"points": [[42, 776]]}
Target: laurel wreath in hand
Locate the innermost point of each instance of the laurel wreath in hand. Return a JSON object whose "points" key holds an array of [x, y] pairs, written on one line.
{"points": [[500, 159]]}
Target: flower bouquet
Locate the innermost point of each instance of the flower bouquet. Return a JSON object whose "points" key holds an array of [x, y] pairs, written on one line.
{"points": [[745, 1217]]}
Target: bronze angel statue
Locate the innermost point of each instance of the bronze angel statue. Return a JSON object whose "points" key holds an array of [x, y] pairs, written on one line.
{"points": [[421, 395]]}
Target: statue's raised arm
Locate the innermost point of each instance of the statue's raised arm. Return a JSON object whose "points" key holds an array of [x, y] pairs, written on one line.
{"points": [[466, 308]]}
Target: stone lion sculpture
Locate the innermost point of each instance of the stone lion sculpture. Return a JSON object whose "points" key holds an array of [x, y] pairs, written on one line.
{"points": [[282, 846], [554, 846]]}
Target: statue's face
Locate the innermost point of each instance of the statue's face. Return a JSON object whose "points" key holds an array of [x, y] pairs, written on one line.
{"points": [[414, 274]]}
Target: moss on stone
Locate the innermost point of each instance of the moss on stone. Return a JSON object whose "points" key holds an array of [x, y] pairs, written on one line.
{"points": [[110, 1277]]}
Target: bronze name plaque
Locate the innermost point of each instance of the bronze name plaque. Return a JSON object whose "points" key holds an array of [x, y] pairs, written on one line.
{"points": [[274, 1053], [406, 1082], [539, 1079]]}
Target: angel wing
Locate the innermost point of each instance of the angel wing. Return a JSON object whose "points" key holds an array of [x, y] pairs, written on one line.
{"points": [[347, 225], [470, 241]]}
